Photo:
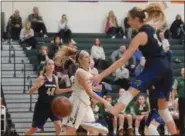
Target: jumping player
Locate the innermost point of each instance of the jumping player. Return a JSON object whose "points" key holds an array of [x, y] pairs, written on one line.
{"points": [[47, 86], [157, 71], [82, 114]]}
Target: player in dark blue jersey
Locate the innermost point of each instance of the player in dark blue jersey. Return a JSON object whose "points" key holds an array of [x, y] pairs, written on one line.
{"points": [[157, 71], [47, 86]]}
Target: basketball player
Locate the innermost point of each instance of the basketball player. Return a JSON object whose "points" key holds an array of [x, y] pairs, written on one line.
{"points": [[47, 86], [82, 113], [157, 72]]}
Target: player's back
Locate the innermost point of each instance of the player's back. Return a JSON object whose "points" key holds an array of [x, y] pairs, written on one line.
{"points": [[47, 90], [153, 48]]}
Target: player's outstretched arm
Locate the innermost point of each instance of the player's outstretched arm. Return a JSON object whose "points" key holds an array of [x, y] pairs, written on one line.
{"points": [[38, 83], [61, 91], [139, 39]]}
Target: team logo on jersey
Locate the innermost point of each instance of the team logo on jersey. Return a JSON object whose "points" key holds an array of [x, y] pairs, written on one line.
{"points": [[138, 83]]}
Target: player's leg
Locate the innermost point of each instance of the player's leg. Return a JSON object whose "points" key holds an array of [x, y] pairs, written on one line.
{"points": [[152, 128], [124, 100], [166, 115], [58, 127], [68, 131], [31, 131], [121, 118]]}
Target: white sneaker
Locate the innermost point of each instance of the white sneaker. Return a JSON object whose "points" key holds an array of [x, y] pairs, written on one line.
{"points": [[113, 37], [95, 126], [45, 36], [28, 48]]}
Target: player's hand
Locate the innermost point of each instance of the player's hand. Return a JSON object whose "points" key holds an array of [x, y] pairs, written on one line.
{"points": [[97, 79]]}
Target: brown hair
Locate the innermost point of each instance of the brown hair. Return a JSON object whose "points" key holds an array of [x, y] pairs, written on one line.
{"points": [[26, 30], [153, 11], [44, 47]]}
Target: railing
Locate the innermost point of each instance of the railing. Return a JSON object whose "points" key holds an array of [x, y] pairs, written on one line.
{"points": [[13, 55], [9, 43], [30, 84], [24, 74]]}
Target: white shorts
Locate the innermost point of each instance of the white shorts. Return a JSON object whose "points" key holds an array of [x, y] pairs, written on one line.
{"points": [[81, 112]]}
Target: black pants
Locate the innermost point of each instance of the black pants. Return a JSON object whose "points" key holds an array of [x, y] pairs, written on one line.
{"points": [[13, 32], [181, 103], [115, 31], [30, 42], [38, 27], [66, 35]]}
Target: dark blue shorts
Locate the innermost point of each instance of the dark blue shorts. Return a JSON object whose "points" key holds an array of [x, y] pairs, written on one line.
{"points": [[41, 114], [158, 73], [154, 115]]}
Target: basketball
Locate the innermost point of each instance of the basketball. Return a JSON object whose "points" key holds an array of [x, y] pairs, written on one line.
{"points": [[61, 106]]}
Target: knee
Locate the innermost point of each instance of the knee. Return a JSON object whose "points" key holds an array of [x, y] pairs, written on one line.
{"points": [[129, 117]]}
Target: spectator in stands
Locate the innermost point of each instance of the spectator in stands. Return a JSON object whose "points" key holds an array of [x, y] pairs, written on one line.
{"points": [[37, 23], [140, 67], [105, 118], [14, 25], [165, 45], [122, 77], [72, 44], [128, 29], [141, 109], [42, 57], [112, 29], [27, 36], [179, 88], [54, 47], [98, 54], [63, 29], [178, 27], [121, 118], [117, 55]]}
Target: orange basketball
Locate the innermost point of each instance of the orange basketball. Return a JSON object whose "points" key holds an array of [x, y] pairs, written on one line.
{"points": [[61, 106]]}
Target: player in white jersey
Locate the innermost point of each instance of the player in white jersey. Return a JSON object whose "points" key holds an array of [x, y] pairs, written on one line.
{"points": [[82, 114]]}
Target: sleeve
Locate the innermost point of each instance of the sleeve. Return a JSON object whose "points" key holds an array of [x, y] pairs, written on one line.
{"points": [[93, 53], [113, 55], [22, 37], [40, 18], [175, 84], [103, 54], [31, 33], [30, 18]]}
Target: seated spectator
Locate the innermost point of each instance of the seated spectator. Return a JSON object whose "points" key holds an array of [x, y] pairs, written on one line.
{"points": [[37, 23], [27, 36], [105, 118], [165, 45], [138, 56], [54, 47], [14, 25], [122, 77], [95, 108], [140, 67], [141, 109], [63, 29], [128, 29], [98, 54], [121, 118], [177, 28], [42, 57], [112, 29]]}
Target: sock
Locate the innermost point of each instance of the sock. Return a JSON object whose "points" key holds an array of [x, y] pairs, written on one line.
{"points": [[121, 127], [115, 130], [152, 129], [137, 131]]}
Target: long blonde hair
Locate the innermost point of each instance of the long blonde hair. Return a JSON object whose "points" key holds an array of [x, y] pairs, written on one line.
{"points": [[65, 52], [152, 12], [26, 30]]}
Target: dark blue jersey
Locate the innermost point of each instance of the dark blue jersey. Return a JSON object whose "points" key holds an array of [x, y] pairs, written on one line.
{"points": [[47, 90], [152, 49]]}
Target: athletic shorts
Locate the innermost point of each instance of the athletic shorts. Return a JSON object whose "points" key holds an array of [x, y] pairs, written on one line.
{"points": [[81, 112], [158, 73], [41, 114]]}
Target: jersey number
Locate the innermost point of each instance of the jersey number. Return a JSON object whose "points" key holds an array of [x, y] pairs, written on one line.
{"points": [[51, 91]]}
